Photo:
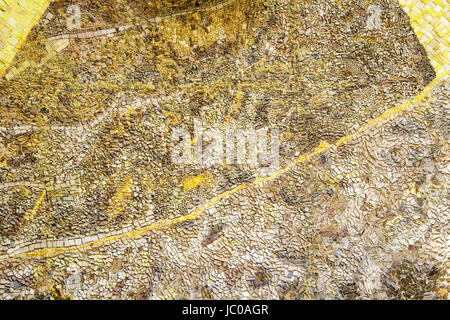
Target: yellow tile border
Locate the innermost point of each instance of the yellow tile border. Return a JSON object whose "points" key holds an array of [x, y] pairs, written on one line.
{"points": [[17, 17], [429, 19]]}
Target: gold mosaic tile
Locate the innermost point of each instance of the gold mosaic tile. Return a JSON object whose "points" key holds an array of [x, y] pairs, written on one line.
{"points": [[429, 18]]}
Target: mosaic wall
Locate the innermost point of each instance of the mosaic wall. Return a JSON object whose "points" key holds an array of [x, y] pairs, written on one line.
{"points": [[253, 149]]}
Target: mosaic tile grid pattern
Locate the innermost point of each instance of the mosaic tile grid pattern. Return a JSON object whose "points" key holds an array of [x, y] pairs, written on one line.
{"points": [[430, 22], [293, 273]]}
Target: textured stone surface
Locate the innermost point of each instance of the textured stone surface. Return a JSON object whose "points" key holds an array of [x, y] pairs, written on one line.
{"points": [[91, 205]]}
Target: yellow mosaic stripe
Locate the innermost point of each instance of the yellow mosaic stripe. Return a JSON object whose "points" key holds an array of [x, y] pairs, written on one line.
{"points": [[429, 19], [17, 17], [166, 223]]}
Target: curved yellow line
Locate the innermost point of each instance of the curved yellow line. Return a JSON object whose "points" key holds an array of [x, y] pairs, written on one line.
{"points": [[324, 146]]}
